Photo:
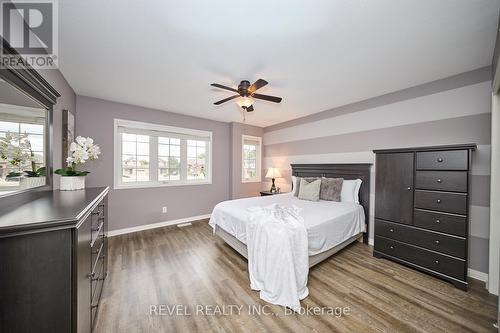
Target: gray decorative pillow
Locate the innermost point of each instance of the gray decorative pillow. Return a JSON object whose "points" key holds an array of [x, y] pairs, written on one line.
{"points": [[308, 179], [309, 191], [331, 189]]}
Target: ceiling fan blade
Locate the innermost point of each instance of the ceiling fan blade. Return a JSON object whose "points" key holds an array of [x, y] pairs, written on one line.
{"points": [[257, 85], [267, 98], [223, 87], [250, 108], [226, 99]]}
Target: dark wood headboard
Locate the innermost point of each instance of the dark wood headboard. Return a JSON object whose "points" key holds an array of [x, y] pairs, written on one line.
{"points": [[346, 171]]}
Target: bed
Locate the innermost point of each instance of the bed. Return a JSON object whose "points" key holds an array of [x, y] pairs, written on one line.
{"points": [[331, 226]]}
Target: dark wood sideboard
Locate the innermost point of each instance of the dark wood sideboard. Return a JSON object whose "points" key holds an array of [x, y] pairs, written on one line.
{"points": [[422, 209], [53, 260]]}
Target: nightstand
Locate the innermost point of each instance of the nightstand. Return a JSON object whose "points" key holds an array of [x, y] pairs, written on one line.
{"points": [[264, 193]]}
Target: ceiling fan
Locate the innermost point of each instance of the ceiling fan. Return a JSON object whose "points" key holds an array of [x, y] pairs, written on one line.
{"points": [[247, 92]]}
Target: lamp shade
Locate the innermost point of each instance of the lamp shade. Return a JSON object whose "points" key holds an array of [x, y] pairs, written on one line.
{"points": [[245, 102], [273, 173]]}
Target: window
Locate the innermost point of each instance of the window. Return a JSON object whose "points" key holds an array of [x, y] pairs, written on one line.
{"points": [[149, 155], [251, 159], [30, 124], [169, 159]]}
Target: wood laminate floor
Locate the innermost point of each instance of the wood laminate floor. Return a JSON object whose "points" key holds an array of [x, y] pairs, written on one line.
{"points": [[152, 271]]}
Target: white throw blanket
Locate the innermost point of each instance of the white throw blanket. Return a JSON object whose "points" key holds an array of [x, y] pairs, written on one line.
{"points": [[278, 261]]}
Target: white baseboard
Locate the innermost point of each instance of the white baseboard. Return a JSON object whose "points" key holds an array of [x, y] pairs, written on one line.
{"points": [[371, 241], [477, 275], [117, 232]]}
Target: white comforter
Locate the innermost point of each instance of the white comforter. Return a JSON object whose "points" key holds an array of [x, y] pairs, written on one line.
{"points": [[278, 261], [328, 223]]}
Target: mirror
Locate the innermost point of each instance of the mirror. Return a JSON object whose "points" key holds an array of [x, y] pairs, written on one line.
{"points": [[24, 129]]}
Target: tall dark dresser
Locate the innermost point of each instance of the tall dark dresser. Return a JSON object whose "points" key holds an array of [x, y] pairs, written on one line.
{"points": [[53, 260], [422, 209]]}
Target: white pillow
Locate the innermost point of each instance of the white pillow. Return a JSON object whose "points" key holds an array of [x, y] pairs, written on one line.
{"points": [[294, 184], [350, 190]]}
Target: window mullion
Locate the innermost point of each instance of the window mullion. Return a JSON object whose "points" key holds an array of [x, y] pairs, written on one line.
{"points": [[153, 159], [183, 160], [208, 161], [136, 161], [119, 163]]}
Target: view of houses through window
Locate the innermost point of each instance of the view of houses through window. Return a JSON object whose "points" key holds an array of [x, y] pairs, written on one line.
{"points": [[169, 159]]}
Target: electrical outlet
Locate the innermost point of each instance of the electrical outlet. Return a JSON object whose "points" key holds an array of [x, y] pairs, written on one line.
{"points": [[164, 209]]}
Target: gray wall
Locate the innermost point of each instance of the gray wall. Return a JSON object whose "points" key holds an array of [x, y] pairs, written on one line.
{"points": [[135, 207], [449, 111], [238, 188], [496, 53], [67, 101]]}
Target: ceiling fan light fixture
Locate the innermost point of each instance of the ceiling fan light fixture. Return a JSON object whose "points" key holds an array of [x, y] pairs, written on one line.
{"points": [[245, 102]]}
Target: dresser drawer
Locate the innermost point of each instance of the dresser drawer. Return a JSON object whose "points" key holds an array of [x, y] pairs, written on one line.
{"points": [[96, 290], [98, 212], [428, 259], [97, 280], [443, 222], [97, 249], [97, 230], [454, 181], [451, 245], [443, 160], [441, 201]]}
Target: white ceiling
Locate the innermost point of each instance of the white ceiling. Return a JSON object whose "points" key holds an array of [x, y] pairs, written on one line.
{"points": [[315, 54]]}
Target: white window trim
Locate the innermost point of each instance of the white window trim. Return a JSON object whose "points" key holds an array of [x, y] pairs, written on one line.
{"points": [[117, 183], [258, 177]]}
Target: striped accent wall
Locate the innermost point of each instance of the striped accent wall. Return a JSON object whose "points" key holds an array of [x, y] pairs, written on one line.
{"points": [[449, 111]]}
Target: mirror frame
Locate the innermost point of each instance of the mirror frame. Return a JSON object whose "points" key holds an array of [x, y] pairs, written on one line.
{"points": [[33, 85]]}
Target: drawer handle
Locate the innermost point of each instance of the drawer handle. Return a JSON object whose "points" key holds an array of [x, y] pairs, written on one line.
{"points": [[391, 247], [438, 201], [437, 242], [391, 230], [439, 181], [440, 159], [438, 221], [408, 188], [436, 262]]}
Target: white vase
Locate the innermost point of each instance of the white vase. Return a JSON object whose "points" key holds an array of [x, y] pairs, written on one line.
{"points": [[31, 182], [72, 183]]}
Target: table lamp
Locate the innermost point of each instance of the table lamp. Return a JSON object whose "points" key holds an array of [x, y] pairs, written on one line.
{"points": [[273, 173]]}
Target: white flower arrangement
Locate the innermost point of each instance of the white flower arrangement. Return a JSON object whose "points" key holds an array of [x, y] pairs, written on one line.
{"points": [[16, 149], [81, 150]]}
